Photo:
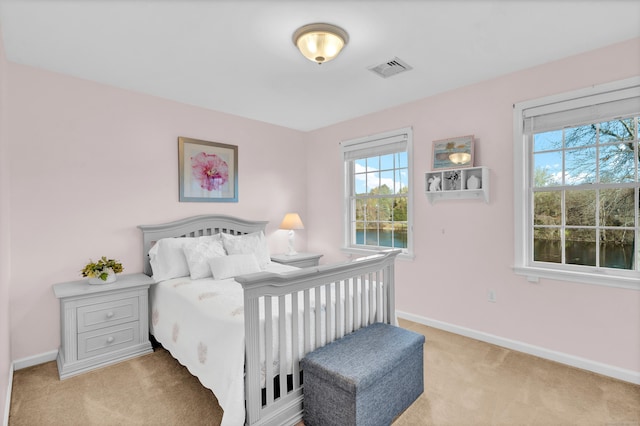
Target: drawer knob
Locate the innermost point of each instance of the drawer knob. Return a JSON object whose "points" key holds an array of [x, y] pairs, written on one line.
{"points": [[110, 314], [110, 339]]}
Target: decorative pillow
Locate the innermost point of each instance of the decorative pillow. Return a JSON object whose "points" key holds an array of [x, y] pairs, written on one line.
{"points": [[233, 265], [199, 252], [167, 259], [254, 243]]}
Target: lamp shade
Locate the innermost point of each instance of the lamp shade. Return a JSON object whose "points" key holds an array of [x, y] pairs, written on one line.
{"points": [[320, 42], [291, 221]]}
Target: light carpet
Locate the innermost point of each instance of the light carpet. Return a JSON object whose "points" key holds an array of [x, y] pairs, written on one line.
{"points": [[467, 382]]}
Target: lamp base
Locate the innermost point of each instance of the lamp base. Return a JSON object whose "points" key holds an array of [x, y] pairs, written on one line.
{"points": [[292, 251]]}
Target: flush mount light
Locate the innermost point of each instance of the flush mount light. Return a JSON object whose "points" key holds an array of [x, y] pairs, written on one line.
{"points": [[320, 42]]}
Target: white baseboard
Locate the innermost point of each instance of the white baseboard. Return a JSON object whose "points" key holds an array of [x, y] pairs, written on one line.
{"points": [[19, 364], [563, 358], [7, 403]]}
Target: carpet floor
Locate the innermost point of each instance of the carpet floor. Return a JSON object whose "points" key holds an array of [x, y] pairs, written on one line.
{"points": [[467, 382]]}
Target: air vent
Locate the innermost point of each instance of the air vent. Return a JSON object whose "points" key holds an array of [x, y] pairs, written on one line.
{"points": [[392, 67]]}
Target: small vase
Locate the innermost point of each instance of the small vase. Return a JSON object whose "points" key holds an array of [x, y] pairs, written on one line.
{"points": [[111, 277], [473, 182]]}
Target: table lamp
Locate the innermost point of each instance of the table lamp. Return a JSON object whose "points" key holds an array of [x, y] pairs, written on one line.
{"points": [[291, 222]]}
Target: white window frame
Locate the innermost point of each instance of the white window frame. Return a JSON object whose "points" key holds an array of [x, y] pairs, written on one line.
{"points": [[523, 176], [376, 144]]}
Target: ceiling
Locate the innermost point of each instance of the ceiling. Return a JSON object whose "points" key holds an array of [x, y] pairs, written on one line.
{"points": [[237, 56]]}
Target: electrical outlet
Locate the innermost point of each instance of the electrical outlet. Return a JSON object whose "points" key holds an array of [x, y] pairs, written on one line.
{"points": [[491, 296]]}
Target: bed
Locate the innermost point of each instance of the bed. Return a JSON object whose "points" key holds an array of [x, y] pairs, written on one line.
{"points": [[243, 330]]}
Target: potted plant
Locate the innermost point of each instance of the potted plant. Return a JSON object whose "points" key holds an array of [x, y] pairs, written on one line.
{"points": [[103, 271]]}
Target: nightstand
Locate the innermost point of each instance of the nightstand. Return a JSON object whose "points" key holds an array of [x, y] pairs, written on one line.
{"points": [[301, 260], [102, 324]]}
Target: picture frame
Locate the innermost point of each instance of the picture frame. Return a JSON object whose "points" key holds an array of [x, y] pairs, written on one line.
{"points": [[453, 153], [208, 171]]}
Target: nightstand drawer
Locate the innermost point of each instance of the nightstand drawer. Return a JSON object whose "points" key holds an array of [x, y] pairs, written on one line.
{"points": [[100, 315], [106, 340]]}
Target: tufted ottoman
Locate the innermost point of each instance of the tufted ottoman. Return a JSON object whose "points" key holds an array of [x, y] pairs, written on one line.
{"points": [[367, 378]]}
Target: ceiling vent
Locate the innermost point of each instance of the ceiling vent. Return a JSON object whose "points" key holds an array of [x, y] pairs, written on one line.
{"points": [[392, 67]]}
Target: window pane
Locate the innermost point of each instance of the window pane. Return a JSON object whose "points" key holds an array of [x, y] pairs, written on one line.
{"points": [[580, 208], [580, 247], [401, 182], [580, 136], [373, 163], [361, 208], [547, 141], [617, 130], [616, 207], [360, 184], [548, 169], [386, 209], [617, 163], [402, 160], [400, 209], [371, 210], [580, 166], [373, 180], [547, 246], [616, 248], [360, 232], [386, 162], [399, 235], [547, 208], [387, 182], [371, 234]]}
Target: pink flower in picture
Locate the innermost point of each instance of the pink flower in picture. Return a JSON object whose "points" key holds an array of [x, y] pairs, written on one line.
{"points": [[210, 170]]}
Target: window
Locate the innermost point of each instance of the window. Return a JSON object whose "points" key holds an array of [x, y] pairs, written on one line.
{"points": [[378, 199], [577, 192]]}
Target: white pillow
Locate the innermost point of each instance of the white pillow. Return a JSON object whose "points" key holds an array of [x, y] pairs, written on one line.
{"points": [[233, 265], [167, 259], [254, 243], [199, 251]]}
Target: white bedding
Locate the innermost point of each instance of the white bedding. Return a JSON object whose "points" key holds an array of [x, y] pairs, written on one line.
{"points": [[201, 322]]}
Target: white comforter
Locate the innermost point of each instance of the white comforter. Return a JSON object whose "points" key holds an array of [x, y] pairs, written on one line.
{"points": [[201, 322]]}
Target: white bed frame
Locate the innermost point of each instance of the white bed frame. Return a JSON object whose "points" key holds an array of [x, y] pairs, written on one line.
{"points": [[282, 404]]}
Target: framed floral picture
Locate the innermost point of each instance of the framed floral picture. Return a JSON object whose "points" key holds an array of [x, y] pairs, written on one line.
{"points": [[208, 171], [454, 153]]}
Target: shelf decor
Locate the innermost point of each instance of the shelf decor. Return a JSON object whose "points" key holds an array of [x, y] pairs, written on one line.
{"points": [[208, 171], [464, 183], [454, 153]]}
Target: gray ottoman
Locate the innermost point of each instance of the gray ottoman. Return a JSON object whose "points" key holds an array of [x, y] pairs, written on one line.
{"points": [[367, 378]]}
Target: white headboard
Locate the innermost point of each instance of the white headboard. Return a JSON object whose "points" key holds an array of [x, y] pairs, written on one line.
{"points": [[194, 226]]}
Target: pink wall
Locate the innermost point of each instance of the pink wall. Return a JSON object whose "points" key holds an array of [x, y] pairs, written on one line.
{"points": [[68, 138], [464, 248], [5, 347], [89, 163]]}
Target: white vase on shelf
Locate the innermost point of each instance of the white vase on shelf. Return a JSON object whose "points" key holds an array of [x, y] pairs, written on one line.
{"points": [[473, 182]]}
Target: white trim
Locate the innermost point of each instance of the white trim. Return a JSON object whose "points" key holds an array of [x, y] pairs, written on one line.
{"points": [[563, 358], [7, 403], [30, 361]]}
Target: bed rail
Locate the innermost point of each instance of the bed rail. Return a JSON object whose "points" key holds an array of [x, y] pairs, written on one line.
{"points": [[323, 304]]}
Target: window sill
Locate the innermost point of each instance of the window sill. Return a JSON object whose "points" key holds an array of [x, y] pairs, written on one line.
{"points": [[533, 274], [357, 252]]}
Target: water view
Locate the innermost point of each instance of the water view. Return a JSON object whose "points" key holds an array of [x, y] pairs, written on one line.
{"points": [[388, 238], [618, 256]]}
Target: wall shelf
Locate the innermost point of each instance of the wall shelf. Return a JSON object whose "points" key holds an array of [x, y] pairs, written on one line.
{"points": [[455, 184]]}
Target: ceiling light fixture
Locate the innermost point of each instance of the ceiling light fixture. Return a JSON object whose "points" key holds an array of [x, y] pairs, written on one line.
{"points": [[320, 42]]}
